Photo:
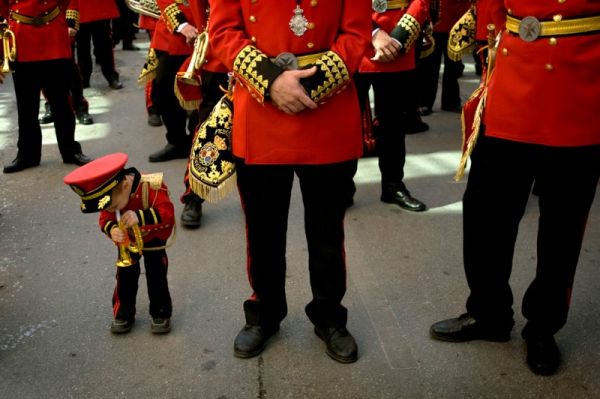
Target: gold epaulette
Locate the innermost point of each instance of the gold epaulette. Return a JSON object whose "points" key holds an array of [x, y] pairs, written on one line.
{"points": [[153, 179]]}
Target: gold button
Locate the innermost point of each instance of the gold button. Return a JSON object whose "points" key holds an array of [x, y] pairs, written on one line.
{"points": [[313, 3], [504, 51], [557, 18], [561, 1], [252, 18], [310, 45], [549, 67], [253, 39], [552, 41], [311, 25], [253, 1], [509, 11]]}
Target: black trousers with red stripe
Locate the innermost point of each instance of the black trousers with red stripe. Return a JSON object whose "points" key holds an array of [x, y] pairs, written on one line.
{"points": [[124, 297], [499, 186], [265, 191]]}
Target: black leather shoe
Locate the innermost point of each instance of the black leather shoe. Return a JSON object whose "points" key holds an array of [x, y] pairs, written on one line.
{"points": [[251, 340], [78, 159], [119, 326], [543, 356], [168, 153], [47, 117], [84, 118], [154, 120], [457, 109], [403, 199], [341, 345], [18, 164], [192, 212], [115, 84], [160, 326], [466, 328], [130, 47], [417, 126]]}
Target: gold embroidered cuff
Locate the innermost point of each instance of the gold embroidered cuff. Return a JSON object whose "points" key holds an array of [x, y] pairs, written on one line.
{"points": [[173, 17], [73, 19], [406, 31], [331, 77], [255, 71]]}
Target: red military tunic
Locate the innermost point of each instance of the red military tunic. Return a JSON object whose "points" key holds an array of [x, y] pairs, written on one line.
{"points": [[387, 21], [546, 91], [48, 41], [451, 11], [173, 13], [262, 134], [157, 221], [95, 10]]}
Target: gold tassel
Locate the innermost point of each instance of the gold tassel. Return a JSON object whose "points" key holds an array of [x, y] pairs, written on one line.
{"points": [[213, 194], [188, 105], [475, 128]]}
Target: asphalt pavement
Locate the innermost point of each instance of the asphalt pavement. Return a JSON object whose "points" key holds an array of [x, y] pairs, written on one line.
{"points": [[404, 273]]}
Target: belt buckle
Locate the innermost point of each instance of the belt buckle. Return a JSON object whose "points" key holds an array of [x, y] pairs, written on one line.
{"points": [[287, 61], [37, 21], [529, 29], [379, 6]]}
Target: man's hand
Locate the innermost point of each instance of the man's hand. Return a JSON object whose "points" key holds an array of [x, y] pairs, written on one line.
{"points": [[287, 93], [386, 48], [190, 33], [72, 32]]}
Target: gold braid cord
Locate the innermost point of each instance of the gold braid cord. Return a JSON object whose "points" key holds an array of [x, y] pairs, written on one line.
{"points": [[173, 17], [461, 40], [412, 29], [333, 75], [73, 19], [250, 67]]}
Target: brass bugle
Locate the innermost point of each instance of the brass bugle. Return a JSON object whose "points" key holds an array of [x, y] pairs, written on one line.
{"points": [[127, 248], [198, 59], [9, 45]]}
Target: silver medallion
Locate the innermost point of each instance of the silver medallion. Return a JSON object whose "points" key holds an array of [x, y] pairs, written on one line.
{"points": [[298, 22], [287, 61], [379, 5], [529, 29]]}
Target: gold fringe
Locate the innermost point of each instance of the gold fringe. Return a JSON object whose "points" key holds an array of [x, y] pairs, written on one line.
{"points": [[188, 105], [146, 76], [213, 194]]}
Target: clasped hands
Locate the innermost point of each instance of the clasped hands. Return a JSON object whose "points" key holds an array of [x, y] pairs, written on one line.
{"points": [[288, 94], [386, 47], [128, 219]]}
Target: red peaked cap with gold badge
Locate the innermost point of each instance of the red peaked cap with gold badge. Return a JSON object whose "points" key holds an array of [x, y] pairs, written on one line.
{"points": [[94, 181]]}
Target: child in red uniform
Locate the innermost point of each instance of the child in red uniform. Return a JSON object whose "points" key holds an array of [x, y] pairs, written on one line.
{"points": [[106, 186]]}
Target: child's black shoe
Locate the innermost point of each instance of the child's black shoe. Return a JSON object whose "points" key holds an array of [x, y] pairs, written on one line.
{"points": [[119, 326], [160, 326]]}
